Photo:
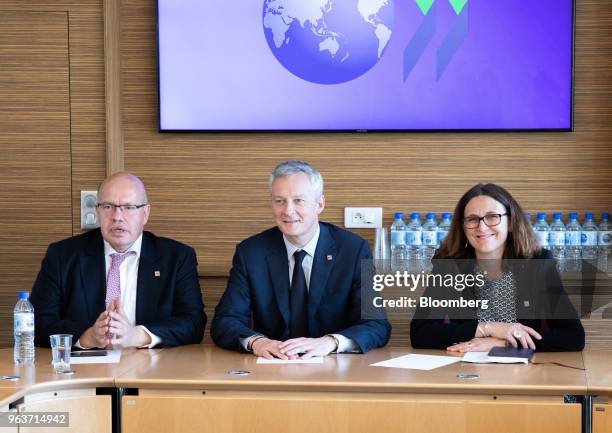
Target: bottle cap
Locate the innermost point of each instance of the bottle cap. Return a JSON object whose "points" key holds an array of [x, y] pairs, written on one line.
{"points": [[588, 216], [605, 216], [24, 295], [399, 215], [431, 216], [447, 215], [573, 216], [415, 216], [557, 216], [541, 215], [528, 216]]}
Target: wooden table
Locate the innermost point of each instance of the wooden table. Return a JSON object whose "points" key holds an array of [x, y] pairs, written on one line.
{"points": [[189, 389], [39, 389], [599, 385]]}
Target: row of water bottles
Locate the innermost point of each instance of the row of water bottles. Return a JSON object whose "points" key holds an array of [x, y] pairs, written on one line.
{"points": [[574, 241], [416, 242]]}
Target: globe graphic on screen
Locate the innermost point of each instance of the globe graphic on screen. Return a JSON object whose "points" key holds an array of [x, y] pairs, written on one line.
{"points": [[328, 41]]}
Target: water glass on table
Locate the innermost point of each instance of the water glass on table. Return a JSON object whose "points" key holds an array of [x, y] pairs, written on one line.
{"points": [[61, 344]]}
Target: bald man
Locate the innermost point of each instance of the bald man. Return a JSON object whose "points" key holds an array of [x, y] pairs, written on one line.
{"points": [[119, 286]]}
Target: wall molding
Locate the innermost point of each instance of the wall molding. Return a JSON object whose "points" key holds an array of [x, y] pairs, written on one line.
{"points": [[112, 57]]}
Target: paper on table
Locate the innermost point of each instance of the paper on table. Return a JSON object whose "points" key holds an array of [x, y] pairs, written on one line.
{"points": [[315, 360], [418, 362], [483, 358], [112, 357]]}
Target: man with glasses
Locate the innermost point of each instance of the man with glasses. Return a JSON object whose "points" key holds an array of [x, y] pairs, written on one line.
{"points": [[119, 286]]}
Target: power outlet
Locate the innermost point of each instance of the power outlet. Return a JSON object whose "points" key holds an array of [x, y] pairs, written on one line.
{"points": [[363, 217], [89, 217]]}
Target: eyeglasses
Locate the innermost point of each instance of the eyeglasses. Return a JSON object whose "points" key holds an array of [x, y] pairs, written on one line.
{"points": [[109, 208], [490, 219]]}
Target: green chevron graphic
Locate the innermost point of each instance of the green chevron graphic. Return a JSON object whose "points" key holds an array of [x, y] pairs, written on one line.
{"points": [[425, 5], [458, 5]]}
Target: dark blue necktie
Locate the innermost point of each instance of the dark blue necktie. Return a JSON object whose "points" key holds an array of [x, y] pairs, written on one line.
{"points": [[299, 299]]}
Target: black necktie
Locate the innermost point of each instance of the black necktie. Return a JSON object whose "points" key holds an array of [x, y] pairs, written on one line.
{"points": [[299, 299]]}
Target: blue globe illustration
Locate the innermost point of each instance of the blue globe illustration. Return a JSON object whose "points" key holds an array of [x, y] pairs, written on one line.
{"points": [[328, 41]]}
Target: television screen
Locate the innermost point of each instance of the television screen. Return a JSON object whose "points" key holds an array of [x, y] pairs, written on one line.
{"points": [[365, 65]]}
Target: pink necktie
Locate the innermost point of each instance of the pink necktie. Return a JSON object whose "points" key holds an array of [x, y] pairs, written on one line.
{"points": [[113, 279]]}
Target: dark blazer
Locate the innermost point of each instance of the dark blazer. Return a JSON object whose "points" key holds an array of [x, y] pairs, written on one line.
{"points": [[256, 299], [541, 303], [68, 295]]}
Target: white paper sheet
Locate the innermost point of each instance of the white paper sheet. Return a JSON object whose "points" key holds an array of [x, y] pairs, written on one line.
{"points": [[418, 362], [315, 360], [112, 357]]}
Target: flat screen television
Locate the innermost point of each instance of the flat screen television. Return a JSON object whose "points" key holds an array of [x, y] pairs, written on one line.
{"points": [[365, 65]]}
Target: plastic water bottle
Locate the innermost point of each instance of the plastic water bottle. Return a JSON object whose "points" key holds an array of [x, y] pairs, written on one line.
{"points": [[573, 237], [542, 229], [398, 243], [414, 237], [604, 242], [444, 226], [23, 321], [588, 239], [430, 236], [557, 236]]}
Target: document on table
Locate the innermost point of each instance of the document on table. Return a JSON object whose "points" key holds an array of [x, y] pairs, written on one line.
{"points": [[315, 360], [418, 362], [483, 358], [476, 357], [111, 357]]}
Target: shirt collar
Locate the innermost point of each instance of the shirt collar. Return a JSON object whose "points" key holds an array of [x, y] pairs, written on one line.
{"points": [[310, 247], [136, 246]]}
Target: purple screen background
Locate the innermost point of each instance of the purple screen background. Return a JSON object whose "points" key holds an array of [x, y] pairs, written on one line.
{"points": [[513, 70]]}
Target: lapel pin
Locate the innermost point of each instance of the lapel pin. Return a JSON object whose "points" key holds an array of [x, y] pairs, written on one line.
{"points": [[157, 273], [329, 257], [526, 303]]}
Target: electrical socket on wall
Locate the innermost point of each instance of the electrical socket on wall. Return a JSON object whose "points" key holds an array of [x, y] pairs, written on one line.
{"points": [[89, 217], [363, 217]]}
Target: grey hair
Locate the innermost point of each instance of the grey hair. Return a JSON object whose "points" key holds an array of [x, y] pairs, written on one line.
{"points": [[291, 167]]}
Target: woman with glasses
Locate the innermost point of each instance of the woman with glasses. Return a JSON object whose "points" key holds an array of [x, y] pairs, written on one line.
{"points": [[492, 245]]}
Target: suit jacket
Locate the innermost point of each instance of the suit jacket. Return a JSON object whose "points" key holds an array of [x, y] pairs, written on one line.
{"points": [[256, 299], [68, 295], [541, 303]]}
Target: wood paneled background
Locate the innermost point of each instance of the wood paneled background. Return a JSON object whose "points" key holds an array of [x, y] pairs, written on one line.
{"points": [[210, 190]]}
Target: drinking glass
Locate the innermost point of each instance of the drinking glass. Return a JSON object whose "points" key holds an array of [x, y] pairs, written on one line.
{"points": [[61, 344], [381, 250]]}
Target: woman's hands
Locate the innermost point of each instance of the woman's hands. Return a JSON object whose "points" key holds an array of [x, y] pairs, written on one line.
{"points": [[477, 345]]}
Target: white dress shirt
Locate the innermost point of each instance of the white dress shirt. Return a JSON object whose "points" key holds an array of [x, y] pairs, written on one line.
{"points": [[128, 274], [344, 344]]}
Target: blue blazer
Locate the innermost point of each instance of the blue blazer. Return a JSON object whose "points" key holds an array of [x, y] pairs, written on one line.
{"points": [[68, 295], [256, 299]]}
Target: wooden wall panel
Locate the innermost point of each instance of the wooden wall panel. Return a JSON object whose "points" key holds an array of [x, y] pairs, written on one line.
{"points": [[88, 130], [35, 148], [52, 131]]}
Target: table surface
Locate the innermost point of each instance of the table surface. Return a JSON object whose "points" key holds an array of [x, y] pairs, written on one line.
{"points": [[197, 367], [598, 366], [206, 367], [40, 376]]}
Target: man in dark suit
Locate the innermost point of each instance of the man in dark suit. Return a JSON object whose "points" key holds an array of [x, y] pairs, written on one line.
{"points": [[119, 286], [295, 290]]}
